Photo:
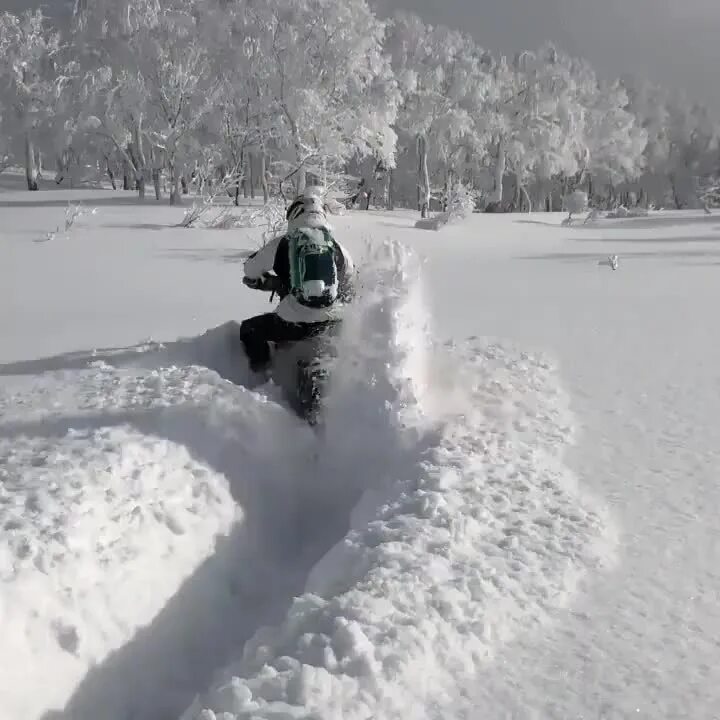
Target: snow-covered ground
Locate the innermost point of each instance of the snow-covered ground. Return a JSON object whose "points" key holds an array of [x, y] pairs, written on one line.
{"points": [[511, 513]]}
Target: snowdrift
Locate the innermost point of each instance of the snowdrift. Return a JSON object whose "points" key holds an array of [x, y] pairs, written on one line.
{"points": [[134, 498]]}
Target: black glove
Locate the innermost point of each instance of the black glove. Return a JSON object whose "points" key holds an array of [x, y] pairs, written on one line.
{"points": [[266, 283], [254, 283]]}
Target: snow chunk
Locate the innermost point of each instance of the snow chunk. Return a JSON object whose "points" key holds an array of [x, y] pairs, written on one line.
{"points": [[99, 527]]}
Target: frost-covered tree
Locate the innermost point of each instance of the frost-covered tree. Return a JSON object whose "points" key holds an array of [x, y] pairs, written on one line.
{"points": [[540, 121], [682, 143], [151, 86], [444, 80], [257, 93], [246, 127], [327, 80], [30, 83], [614, 141], [179, 83]]}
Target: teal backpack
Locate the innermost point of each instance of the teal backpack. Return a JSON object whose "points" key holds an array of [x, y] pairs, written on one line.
{"points": [[313, 267]]}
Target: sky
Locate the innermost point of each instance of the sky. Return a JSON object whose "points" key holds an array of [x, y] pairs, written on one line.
{"points": [[672, 42]]}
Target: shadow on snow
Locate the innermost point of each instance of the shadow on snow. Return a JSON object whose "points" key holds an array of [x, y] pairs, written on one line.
{"points": [[218, 349]]}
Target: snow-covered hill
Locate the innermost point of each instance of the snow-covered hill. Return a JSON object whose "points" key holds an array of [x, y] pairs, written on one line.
{"points": [[508, 515]]}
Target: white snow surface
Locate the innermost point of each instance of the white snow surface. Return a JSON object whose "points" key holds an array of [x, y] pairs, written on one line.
{"points": [[470, 530], [509, 512]]}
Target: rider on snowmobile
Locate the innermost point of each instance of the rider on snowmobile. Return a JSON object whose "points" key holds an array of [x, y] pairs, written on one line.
{"points": [[311, 272]]}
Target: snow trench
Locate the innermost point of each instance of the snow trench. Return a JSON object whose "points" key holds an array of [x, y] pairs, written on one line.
{"points": [[165, 531], [470, 529], [147, 525]]}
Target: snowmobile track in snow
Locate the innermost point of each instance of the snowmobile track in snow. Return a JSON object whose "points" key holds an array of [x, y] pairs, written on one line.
{"points": [[171, 539]]}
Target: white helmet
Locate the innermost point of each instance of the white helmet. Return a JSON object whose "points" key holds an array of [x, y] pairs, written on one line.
{"points": [[307, 210]]}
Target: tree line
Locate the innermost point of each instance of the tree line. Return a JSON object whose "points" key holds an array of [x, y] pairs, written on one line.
{"points": [[263, 97]]}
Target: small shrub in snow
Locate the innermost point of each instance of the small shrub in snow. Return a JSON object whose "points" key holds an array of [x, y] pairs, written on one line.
{"points": [[710, 198], [74, 212], [622, 212], [223, 219], [461, 203], [194, 213], [612, 261], [202, 208], [271, 216], [575, 203], [208, 215]]}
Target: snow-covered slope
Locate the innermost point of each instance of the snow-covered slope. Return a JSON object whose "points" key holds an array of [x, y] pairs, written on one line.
{"points": [[509, 514]]}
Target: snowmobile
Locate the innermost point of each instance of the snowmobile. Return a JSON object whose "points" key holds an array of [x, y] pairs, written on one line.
{"points": [[301, 369]]}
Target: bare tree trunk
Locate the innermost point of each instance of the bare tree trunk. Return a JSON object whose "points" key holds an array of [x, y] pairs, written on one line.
{"points": [[61, 167], [251, 173], [423, 176], [368, 196], [38, 165], [30, 163], [516, 194], [300, 180], [263, 178], [109, 170], [244, 165], [500, 164], [126, 174], [676, 196], [175, 198], [156, 183], [140, 184], [390, 187], [524, 191], [140, 163]]}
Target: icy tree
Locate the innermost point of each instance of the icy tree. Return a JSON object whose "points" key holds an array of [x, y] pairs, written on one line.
{"points": [[613, 140], [180, 86], [534, 116], [247, 125], [29, 83], [693, 155], [153, 86], [544, 119], [682, 143], [328, 82], [252, 94], [444, 80]]}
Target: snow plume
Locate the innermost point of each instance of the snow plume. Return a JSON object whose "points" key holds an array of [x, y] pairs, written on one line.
{"points": [[380, 372], [470, 529]]}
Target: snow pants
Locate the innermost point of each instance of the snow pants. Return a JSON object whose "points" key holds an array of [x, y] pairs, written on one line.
{"points": [[258, 332]]}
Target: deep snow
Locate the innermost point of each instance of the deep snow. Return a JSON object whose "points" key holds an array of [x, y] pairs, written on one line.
{"points": [[512, 520]]}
